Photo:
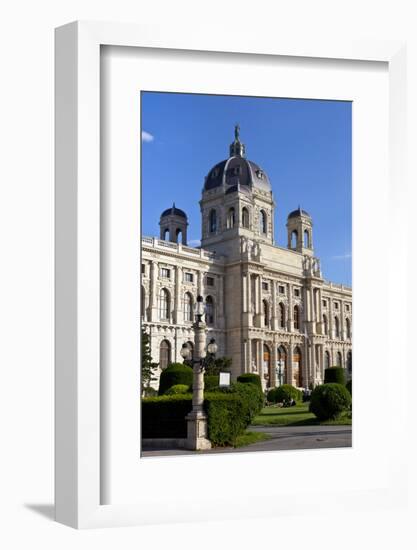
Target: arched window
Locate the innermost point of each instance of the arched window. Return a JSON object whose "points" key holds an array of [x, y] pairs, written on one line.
{"points": [[166, 235], [348, 329], [294, 239], [188, 307], [339, 359], [349, 363], [230, 218], [245, 217], [281, 315], [282, 371], [326, 360], [164, 304], [164, 354], [142, 303], [297, 367], [267, 365], [189, 361], [296, 318], [265, 309], [263, 225], [209, 310], [213, 221], [306, 239], [179, 235], [336, 327], [325, 325]]}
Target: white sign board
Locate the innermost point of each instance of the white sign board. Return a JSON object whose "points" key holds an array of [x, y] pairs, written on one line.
{"points": [[224, 379]]}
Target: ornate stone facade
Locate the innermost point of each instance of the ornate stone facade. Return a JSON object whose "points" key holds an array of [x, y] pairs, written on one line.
{"points": [[268, 307]]}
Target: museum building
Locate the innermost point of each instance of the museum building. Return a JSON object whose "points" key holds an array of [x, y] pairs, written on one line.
{"points": [[268, 307]]}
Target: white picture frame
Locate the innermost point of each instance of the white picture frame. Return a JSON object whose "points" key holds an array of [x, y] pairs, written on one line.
{"points": [[79, 410]]}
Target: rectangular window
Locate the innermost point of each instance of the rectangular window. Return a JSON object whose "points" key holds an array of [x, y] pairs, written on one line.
{"points": [[189, 277], [347, 307], [210, 281], [281, 289], [336, 305], [296, 291], [264, 286], [165, 272], [324, 303], [143, 270]]}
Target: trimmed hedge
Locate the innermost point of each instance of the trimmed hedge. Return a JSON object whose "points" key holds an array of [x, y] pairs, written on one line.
{"points": [[253, 399], [211, 382], [229, 412], [178, 389], [250, 378], [164, 416], [175, 374], [226, 417], [285, 392], [334, 375], [328, 401], [349, 386]]}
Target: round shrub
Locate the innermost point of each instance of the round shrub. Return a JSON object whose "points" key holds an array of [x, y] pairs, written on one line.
{"points": [[211, 382], [328, 401], [250, 378], [349, 386], [177, 389], [334, 375], [283, 393], [176, 373]]}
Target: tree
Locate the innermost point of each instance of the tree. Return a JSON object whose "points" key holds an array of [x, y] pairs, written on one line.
{"points": [[215, 366], [148, 366]]}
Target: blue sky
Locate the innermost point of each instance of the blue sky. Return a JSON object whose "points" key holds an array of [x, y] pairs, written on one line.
{"points": [[303, 145]]}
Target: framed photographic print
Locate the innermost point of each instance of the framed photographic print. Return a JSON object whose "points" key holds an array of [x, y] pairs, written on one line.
{"points": [[223, 211]]}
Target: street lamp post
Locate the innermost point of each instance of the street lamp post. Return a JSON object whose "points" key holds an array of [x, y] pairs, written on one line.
{"points": [[197, 420]]}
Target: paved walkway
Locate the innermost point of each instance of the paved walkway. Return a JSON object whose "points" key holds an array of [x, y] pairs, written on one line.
{"points": [[282, 438]]}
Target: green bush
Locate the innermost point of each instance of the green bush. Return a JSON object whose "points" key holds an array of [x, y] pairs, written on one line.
{"points": [[250, 378], [149, 391], [349, 386], [252, 398], [334, 375], [328, 401], [164, 416], [285, 392], [211, 382], [174, 374], [226, 417], [178, 389]]}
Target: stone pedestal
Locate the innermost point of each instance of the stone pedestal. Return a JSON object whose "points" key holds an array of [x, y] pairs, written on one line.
{"points": [[197, 431]]}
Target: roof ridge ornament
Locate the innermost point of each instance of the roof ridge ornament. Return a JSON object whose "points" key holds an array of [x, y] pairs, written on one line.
{"points": [[237, 148]]}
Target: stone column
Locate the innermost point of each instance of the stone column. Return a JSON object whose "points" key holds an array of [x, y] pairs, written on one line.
{"points": [[331, 320], [178, 305], [245, 304], [197, 419], [248, 365], [306, 364], [274, 318], [289, 362], [153, 298], [274, 365], [221, 319], [342, 321], [290, 316]]}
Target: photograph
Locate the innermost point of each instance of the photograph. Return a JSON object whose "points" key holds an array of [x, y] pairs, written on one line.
{"points": [[246, 274]]}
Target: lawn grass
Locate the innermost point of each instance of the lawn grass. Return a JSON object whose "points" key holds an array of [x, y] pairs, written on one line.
{"points": [[298, 415], [248, 438]]}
